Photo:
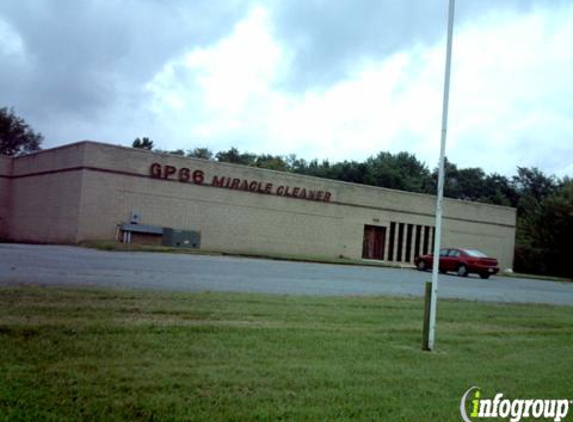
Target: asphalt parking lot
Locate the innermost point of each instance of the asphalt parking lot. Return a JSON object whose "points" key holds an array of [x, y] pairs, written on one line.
{"points": [[69, 265]]}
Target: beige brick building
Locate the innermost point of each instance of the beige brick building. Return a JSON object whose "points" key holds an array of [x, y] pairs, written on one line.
{"points": [[83, 191]]}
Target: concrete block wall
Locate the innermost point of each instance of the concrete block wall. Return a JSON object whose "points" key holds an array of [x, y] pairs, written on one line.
{"points": [[228, 220], [5, 189], [45, 195]]}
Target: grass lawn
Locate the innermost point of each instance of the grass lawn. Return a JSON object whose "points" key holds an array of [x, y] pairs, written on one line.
{"points": [[83, 354]]}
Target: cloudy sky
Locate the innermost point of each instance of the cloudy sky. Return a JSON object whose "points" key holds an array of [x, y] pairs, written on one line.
{"points": [[332, 79]]}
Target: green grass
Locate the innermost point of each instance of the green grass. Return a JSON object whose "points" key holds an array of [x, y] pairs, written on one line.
{"points": [[82, 354]]}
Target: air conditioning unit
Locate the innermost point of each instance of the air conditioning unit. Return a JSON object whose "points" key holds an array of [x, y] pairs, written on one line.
{"points": [[181, 238]]}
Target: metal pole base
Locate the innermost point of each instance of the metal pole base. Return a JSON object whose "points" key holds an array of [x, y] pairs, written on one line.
{"points": [[426, 329]]}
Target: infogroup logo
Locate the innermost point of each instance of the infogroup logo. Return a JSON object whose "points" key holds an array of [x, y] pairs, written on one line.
{"points": [[515, 410]]}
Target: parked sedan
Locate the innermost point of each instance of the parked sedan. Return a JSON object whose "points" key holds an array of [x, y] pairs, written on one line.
{"points": [[461, 261]]}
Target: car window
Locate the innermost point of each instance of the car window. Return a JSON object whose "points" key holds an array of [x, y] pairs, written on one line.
{"points": [[475, 253], [453, 253], [444, 252]]}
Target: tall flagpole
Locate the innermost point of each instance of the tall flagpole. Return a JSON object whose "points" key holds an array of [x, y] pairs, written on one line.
{"points": [[440, 200]]}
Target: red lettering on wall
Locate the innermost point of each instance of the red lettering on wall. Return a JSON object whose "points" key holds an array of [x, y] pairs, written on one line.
{"points": [[184, 174], [168, 171], [155, 170], [218, 181], [198, 177]]}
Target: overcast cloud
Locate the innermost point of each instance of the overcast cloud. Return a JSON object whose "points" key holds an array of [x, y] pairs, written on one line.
{"points": [[322, 79]]}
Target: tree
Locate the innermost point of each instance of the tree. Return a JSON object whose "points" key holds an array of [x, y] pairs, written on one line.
{"points": [[349, 171], [317, 169], [498, 190], [16, 136], [534, 183], [544, 233], [532, 187], [295, 164], [204, 153], [143, 143], [273, 162], [401, 171], [234, 156]]}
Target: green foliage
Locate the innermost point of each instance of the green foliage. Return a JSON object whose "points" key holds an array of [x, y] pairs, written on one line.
{"points": [[534, 184], [234, 156], [272, 162], [349, 171], [143, 143], [16, 136], [204, 153], [545, 227], [499, 190], [402, 171], [473, 184]]}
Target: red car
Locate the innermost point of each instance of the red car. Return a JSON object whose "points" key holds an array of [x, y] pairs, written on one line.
{"points": [[461, 261]]}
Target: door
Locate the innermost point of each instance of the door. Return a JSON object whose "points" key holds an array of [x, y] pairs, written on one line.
{"points": [[444, 263], [453, 260], [373, 243]]}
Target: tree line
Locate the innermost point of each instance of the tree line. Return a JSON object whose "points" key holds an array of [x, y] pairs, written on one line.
{"points": [[544, 202]]}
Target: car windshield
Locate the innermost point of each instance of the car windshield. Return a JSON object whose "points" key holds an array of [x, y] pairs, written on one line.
{"points": [[475, 253]]}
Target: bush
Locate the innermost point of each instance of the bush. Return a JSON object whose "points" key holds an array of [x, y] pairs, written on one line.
{"points": [[541, 261]]}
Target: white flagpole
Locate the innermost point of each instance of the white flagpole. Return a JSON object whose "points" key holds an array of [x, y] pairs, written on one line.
{"points": [[440, 200]]}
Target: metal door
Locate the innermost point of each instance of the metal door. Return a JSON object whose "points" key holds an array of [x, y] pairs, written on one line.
{"points": [[373, 243]]}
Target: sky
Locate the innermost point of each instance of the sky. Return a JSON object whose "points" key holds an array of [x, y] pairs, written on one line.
{"points": [[338, 80]]}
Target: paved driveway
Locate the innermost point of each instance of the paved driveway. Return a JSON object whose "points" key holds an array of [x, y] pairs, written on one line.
{"points": [[70, 265]]}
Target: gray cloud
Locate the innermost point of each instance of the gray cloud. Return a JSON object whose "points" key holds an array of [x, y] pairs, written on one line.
{"points": [[329, 37], [81, 57]]}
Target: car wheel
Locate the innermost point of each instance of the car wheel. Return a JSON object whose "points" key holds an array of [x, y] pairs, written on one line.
{"points": [[421, 265], [484, 276], [462, 271]]}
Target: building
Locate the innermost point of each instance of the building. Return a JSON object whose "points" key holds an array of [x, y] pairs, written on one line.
{"points": [[92, 191]]}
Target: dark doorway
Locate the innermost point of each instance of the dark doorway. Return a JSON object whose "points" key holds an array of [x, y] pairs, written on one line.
{"points": [[373, 245], [391, 241]]}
